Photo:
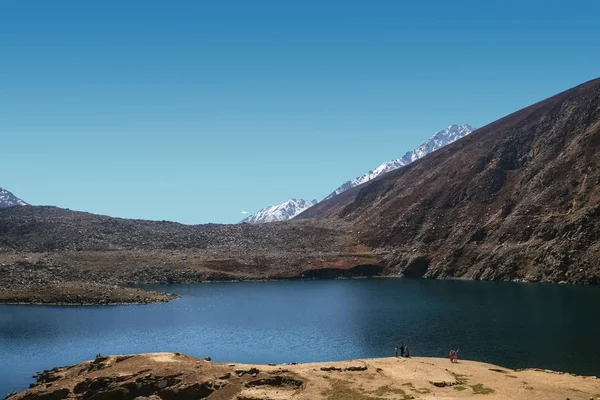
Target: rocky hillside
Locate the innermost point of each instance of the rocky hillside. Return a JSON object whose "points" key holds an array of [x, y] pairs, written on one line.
{"points": [[7, 199], [437, 141], [280, 212], [517, 199], [52, 229], [52, 255]]}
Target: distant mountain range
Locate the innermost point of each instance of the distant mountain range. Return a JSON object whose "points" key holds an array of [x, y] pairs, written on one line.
{"points": [[437, 141], [281, 212], [7, 199], [293, 207]]}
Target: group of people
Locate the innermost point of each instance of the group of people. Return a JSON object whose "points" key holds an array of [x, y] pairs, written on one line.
{"points": [[403, 351]]}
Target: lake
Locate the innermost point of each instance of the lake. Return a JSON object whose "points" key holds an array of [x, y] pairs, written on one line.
{"points": [[515, 325]]}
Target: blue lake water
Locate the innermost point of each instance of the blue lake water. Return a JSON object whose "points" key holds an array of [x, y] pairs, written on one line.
{"points": [[510, 324]]}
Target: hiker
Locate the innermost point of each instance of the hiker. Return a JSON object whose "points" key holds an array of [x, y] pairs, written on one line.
{"points": [[453, 356], [406, 353], [402, 350], [396, 351]]}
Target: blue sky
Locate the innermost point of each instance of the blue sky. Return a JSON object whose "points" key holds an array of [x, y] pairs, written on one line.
{"points": [[196, 110]]}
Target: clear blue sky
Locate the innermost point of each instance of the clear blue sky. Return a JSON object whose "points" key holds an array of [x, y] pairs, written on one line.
{"points": [[196, 110]]}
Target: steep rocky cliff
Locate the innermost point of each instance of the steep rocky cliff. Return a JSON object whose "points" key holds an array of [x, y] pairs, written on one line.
{"points": [[516, 199]]}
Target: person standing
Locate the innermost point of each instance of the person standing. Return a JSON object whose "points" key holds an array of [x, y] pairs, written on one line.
{"points": [[406, 353], [402, 350], [453, 356], [396, 351]]}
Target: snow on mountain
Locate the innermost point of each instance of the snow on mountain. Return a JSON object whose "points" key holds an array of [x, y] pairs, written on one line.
{"points": [[437, 141], [293, 207], [7, 199], [281, 212]]}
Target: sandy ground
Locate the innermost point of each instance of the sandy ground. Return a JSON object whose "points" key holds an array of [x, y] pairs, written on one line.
{"points": [[176, 376]]}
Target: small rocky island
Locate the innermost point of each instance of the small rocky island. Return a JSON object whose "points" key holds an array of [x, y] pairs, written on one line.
{"points": [[170, 376]]}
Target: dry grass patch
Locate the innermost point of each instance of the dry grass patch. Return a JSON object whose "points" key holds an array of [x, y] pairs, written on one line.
{"points": [[382, 391], [481, 389], [340, 390], [422, 390], [461, 379]]}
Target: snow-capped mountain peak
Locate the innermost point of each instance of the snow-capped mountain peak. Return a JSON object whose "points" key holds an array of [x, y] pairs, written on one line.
{"points": [[280, 212], [435, 142], [293, 207], [439, 140], [7, 199]]}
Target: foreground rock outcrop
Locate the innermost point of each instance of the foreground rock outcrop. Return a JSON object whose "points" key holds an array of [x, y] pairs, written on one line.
{"points": [[170, 376]]}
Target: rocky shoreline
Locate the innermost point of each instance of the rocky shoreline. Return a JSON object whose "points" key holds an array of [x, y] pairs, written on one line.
{"points": [[47, 252], [42, 282], [81, 294], [106, 277], [170, 376]]}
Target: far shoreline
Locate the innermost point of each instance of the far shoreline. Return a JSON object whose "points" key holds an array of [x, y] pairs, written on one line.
{"points": [[157, 297]]}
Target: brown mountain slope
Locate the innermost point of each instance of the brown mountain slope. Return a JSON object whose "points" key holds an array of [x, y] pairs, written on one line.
{"points": [[52, 255], [518, 198]]}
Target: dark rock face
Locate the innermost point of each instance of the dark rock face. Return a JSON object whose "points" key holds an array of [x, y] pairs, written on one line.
{"points": [[328, 369], [516, 199], [251, 371], [58, 394], [166, 376], [352, 368], [276, 381], [332, 273], [188, 392], [417, 267], [356, 368], [122, 387]]}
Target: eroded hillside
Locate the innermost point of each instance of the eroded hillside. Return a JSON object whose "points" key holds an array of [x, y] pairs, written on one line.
{"points": [[516, 199]]}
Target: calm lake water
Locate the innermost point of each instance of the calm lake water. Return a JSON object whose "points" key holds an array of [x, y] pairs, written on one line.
{"points": [[510, 324]]}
